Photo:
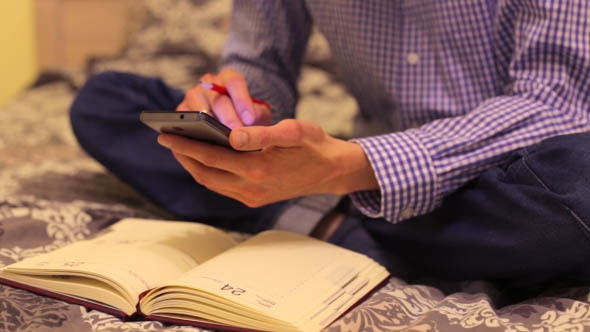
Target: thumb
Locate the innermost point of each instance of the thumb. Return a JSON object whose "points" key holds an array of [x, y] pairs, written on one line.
{"points": [[285, 134]]}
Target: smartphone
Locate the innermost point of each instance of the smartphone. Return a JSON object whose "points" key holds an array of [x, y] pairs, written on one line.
{"points": [[196, 125]]}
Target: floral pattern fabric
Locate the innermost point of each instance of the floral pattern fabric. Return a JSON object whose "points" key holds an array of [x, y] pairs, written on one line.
{"points": [[52, 194], [30, 226]]}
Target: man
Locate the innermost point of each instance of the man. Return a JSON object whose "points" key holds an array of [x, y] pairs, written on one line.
{"points": [[478, 170]]}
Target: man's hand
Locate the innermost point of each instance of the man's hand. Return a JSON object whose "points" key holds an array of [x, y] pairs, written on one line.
{"points": [[295, 158], [234, 112]]}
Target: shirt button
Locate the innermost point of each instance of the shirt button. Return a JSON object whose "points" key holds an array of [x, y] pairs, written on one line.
{"points": [[407, 213], [413, 58]]}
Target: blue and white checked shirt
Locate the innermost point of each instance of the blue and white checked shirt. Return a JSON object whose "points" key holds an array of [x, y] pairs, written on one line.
{"points": [[461, 83]]}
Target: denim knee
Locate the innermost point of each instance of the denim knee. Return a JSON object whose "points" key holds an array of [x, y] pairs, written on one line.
{"points": [[84, 104], [562, 165]]}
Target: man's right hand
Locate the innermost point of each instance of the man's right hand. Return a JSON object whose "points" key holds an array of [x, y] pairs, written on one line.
{"points": [[235, 110]]}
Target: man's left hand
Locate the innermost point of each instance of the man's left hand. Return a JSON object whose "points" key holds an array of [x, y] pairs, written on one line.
{"points": [[290, 159]]}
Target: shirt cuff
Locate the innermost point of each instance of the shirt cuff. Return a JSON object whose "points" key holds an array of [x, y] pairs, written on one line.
{"points": [[404, 170]]}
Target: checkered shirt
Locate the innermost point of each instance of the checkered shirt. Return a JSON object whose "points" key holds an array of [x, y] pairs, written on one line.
{"points": [[460, 84]]}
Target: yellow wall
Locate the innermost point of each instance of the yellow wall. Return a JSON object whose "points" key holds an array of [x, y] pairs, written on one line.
{"points": [[18, 62]]}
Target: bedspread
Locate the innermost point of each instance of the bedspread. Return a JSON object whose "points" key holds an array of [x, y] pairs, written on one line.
{"points": [[30, 226], [52, 194]]}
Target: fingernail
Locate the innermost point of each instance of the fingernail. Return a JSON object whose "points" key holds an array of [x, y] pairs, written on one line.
{"points": [[248, 117], [164, 141], [240, 138]]}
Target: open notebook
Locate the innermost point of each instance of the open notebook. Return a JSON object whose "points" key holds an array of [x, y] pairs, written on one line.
{"points": [[190, 273]]}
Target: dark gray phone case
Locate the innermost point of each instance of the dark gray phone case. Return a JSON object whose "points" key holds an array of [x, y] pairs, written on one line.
{"points": [[196, 125]]}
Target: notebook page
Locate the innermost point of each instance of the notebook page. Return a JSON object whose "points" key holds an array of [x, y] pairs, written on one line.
{"points": [[287, 276], [135, 254]]}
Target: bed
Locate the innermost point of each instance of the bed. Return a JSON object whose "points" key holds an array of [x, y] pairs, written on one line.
{"points": [[52, 194]]}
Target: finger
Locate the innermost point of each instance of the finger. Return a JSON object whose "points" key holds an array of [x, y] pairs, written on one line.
{"points": [[213, 179], [263, 115], [207, 154], [286, 134], [209, 94], [223, 108], [238, 90], [196, 99], [182, 107], [222, 182]]}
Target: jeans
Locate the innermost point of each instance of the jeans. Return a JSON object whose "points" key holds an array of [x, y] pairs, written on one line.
{"points": [[518, 227]]}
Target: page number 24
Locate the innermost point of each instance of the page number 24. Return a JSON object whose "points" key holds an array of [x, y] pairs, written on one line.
{"points": [[234, 291]]}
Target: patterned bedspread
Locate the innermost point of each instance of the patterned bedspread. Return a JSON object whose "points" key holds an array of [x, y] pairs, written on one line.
{"points": [[52, 194]]}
